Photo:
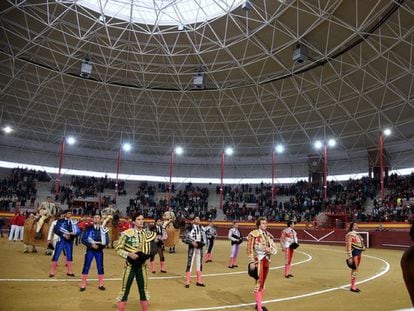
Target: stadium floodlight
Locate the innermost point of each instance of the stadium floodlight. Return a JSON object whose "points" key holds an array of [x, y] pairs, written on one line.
{"points": [[178, 150], [387, 132], [279, 148], [331, 142], [318, 144], [71, 140], [229, 151], [86, 67], [126, 147], [7, 129]]}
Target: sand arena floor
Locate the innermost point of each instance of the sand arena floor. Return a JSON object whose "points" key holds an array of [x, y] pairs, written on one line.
{"points": [[320, 282]]}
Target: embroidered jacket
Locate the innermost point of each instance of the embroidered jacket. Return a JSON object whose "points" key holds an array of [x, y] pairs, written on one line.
{"points": [[260, 244]]}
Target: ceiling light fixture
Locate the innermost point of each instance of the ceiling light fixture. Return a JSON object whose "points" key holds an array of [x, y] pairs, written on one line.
{"points": [[86, 67]]}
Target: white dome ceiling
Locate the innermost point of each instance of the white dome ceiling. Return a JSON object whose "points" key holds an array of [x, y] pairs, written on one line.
{"points": [[356, 77], [161, 12]]}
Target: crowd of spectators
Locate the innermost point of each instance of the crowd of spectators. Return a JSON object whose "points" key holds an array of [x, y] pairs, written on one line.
{"points": [[398, 204], [19, 187], [301, 201], [85, 187], [184, 202], [144, 200]]}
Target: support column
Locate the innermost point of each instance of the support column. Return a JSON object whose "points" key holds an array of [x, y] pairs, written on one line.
{"points": [[379, 164], [61, 156], [316, 169], [221, 180]]}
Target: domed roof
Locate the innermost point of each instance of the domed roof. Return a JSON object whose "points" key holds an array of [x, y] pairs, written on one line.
{"points": [[265, 72]]}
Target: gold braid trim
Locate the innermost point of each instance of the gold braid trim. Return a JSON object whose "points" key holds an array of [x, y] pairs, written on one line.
{"points": [[133, 241], [251, 240]]}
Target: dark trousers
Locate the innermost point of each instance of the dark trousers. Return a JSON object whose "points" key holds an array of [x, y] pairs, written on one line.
{"points": [[66, 246], [89, 256]]}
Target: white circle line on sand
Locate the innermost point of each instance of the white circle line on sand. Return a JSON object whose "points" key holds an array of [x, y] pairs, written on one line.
{"points": [[385, 269], [309, 258]]}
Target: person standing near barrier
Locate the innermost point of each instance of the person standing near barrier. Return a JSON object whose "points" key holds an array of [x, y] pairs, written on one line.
{"points": [[19, 220], [107, 214], [236, 239], [161, 232], [67, 230], [135, 245], [195, 237], [211, 234], [14, 230], [2, 224], [288, 243], [95, 238], [260, 246], [46, 209], [354, 248]]}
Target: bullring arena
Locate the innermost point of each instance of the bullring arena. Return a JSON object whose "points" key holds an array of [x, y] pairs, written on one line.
{"points": [[292, 110], [320, 279]]}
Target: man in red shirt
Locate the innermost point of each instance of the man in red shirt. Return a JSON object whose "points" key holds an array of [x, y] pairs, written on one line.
{"points": [[20, 219], [83, 223], [13, 227], [17, 227]]}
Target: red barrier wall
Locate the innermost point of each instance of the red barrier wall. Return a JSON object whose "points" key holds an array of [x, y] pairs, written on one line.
{"points": [[393, 238], [395, 234]]}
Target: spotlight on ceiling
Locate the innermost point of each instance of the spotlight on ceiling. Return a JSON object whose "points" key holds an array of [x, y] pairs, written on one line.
{"points": [[86, 67], [318, 144], [126, 147], [331, 142], [102, 19], [229, 151], [246, 5], [387, 132], [300, 54], [198, 80], [7, 129], [279, 148], [71, 140]]}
